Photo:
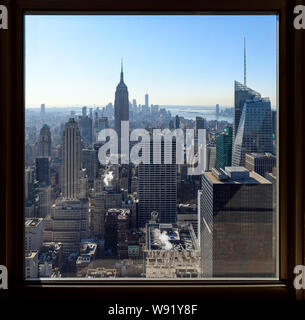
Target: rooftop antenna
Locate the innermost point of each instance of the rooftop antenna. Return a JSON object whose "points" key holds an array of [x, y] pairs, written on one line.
{"points": [[245, 64], [122, 77]]}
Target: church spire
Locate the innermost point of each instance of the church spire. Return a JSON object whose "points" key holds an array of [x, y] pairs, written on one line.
{"points": [[122, 74]]}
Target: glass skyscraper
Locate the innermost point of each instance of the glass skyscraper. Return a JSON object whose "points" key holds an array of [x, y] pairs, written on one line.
{"points": [[241, 94], [157, 187], [254, 133], [224, 148]]}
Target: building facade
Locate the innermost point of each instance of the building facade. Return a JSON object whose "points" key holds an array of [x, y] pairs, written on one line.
{"points": [[254, 133], [236, 224], [157, 185], [68, 224], [241, 94], [43, 170], [71, 160], [224, 148], [261, 163], [33, 234], [89, 162], [44, 142]]}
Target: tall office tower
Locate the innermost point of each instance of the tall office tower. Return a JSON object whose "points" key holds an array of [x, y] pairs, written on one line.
{"points": [[29, 184], [274, 123], [33, 233], [86, 129], [44, 142], [84, 111], [45, 201], [211, 156], [157, 188], [111, 231], [29, 154], [109, 110], [146, 100], [42, 110], [68, 221], [101, 123], [71, 160], [30, 192], [261, 163], [177, 122], [89, 162], [274, 134], [236, 224], [122, 230], [200, 123], [224, 148], [43, 170], [217, 110], [121, 107], [91, 113], [241, 94], [134, 105], [254, 132]]}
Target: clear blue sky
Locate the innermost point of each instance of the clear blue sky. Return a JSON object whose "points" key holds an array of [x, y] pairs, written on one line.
{"points": [[178, 60]]}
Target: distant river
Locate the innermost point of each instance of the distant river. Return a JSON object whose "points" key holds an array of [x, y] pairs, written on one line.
{"points": [[191, 112]]}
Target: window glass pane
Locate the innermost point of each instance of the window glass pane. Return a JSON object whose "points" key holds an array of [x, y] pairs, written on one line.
{"points": [[151, 146]]}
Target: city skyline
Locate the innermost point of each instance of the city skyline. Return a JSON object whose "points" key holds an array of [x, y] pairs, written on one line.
{"points": [[151, 214], [172, 66]]}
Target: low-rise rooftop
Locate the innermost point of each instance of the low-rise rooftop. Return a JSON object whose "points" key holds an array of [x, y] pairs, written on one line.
{"points": [[167, 236], [235, 175], [32, 222]]}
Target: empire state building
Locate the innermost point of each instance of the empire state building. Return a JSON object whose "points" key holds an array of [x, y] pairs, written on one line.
{"points": [[121, 106]]}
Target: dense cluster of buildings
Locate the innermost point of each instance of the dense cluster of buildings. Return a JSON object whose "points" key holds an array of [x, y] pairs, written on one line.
{"points": [[87, 219]]}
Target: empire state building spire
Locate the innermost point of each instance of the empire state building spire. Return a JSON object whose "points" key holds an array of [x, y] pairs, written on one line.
{"points": [[121, 106], [122, 74]]}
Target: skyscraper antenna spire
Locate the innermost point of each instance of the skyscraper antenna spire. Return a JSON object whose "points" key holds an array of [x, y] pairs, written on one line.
{"points": [[122, 75], [245, 63]]}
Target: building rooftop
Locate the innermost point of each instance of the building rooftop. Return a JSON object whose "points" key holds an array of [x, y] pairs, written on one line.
{"points": [[168, 236], [88, 248], [32, 222], [30, 254], [49, 251], [87, 253], [121, 213], [260, 155], [235, 175]]}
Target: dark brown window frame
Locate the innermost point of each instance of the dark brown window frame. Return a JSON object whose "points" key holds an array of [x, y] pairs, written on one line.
{"points": [[291, 152]]}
